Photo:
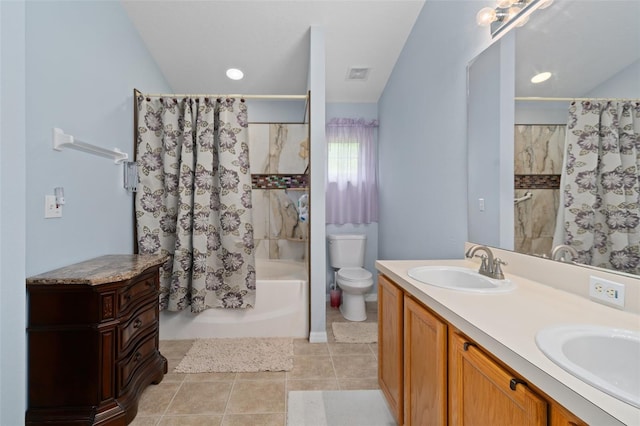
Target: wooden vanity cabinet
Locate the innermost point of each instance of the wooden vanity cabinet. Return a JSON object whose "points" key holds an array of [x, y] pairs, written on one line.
{"points": [[481, 392], [390, 345], [431, 374], [425, 366], [92, 342]]}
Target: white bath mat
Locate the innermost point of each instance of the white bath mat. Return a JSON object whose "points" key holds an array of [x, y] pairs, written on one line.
{"points": [[338, 408], [238, 355], [355, 332]]}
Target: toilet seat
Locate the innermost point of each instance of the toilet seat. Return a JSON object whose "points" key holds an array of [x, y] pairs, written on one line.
{"points": [[354, 275]]}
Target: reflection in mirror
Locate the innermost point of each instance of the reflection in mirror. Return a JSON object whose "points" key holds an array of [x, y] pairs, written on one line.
{"points": [[592, 50]]}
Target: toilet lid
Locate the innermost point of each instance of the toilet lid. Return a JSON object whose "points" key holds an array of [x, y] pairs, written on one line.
{"points": [[354, 274]]}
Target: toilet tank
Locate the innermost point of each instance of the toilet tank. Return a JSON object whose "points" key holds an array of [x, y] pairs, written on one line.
{"points": [[346, 250]]}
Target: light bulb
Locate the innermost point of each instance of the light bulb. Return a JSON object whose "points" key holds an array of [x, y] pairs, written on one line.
{"points": [[513, 11], [486, 16], [503, 4], [522, 21]]}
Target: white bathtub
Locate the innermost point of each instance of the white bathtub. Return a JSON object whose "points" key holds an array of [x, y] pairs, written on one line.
{"points": [[282, 309]]}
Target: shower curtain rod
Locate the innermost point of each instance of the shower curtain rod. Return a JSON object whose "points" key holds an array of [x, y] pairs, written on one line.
{"points": [[182, 95], [533, 98]]}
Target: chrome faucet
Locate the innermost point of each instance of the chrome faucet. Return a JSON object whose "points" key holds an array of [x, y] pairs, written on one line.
{"points": [[559, 252], [490, 266]]}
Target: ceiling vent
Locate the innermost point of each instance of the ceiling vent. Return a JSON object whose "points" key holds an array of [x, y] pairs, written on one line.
{"points": [[360, 74]]}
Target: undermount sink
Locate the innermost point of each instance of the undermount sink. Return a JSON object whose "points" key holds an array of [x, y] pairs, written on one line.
{"points": [[458, 278], [604, 357]]}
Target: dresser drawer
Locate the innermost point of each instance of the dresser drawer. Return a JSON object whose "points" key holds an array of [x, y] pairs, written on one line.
{"points": [[139, 291], [139, 323], [128, 366]]}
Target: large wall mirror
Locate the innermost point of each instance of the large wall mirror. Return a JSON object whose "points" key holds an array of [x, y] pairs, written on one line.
{"points": [[517, 129]]}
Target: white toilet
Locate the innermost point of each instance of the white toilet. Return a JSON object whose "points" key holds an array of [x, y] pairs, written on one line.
{"points": [[346, 253]]}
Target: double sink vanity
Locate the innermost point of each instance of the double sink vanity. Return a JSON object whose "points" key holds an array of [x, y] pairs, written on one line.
{"points": [[460, 347]]}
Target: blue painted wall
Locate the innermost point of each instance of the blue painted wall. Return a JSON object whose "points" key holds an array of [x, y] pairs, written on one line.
{"points": [[12, 213], [83, 61], [422, 135], [71, 65]]}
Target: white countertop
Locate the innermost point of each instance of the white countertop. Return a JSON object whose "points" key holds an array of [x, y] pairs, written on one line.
{"points": [[506, 324]]}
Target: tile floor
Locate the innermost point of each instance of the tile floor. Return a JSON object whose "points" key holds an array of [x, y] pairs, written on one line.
{"points": [[257, 399]]}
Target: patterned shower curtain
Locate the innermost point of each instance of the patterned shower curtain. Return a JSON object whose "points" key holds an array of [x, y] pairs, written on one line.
{"points": [[601, 191], [194, 200]]}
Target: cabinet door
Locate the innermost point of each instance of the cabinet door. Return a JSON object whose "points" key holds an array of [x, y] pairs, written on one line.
{"points": [[425, 366], [390, 369], [481, 392], [560, 416]]}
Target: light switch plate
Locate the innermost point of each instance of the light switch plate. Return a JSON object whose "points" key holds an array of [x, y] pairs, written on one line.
{"points": [[51, 210]]}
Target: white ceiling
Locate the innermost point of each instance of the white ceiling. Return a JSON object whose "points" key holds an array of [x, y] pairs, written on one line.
{"points": [[194, 42], [582, 42]]}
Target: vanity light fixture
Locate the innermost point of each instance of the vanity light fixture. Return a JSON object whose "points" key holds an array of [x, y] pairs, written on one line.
{"points": [[539, 78], [235, 74], [508, 13]]}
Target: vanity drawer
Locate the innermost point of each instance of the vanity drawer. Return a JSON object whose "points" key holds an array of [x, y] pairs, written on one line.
{"points": [[128, 366], [139, 291], [137, 325]]}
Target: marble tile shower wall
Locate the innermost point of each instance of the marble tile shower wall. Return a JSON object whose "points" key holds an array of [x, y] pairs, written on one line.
{"points": [[278, 149], [538, 158]]}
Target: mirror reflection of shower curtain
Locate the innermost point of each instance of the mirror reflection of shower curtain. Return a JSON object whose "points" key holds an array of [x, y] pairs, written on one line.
{"points": [[599, 212], [194, 200]]}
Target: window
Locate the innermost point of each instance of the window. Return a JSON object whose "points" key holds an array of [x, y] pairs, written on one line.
{"points": [[352, 184]]}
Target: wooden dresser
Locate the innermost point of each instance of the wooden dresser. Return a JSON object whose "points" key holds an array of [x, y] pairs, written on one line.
{"points": [[93, 340]]}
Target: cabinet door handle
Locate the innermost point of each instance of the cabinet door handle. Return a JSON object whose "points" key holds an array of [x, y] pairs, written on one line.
{"points": [[127, 297], [514, 382], [137, 323], [137, 357], [467, 344]]}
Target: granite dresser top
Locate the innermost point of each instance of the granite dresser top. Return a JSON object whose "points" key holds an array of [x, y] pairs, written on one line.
{"points": [[101, 270]]}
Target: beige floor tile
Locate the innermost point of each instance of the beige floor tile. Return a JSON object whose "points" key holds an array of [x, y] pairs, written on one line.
{"points": [[311, 367], [265, 396], [145, 420], [272, 419], [174, 377], [155, 398], [210, 377], [355, 366], [175, 348], [312, 385], [303, 347], [349, 349], [200, 398], [357, 384], [262, 375], [188, 420]]}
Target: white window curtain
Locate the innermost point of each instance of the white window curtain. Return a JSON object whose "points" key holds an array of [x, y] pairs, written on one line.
{"points": [[352, 178]]}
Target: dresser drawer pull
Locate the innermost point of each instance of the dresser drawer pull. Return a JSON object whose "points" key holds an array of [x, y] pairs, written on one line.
{"points": [[137, 323], [137, 357], [127, 297], [149, 283]]}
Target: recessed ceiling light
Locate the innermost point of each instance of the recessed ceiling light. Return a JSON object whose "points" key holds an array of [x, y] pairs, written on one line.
{"points": [[235, 74], [539, 78]]}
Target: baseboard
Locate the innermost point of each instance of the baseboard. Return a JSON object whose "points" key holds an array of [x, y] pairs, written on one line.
{"points": [[371, 297], [318, 337]]}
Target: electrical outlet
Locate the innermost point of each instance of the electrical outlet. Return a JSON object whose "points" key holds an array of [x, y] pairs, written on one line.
{"points": [[606, 291]]}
